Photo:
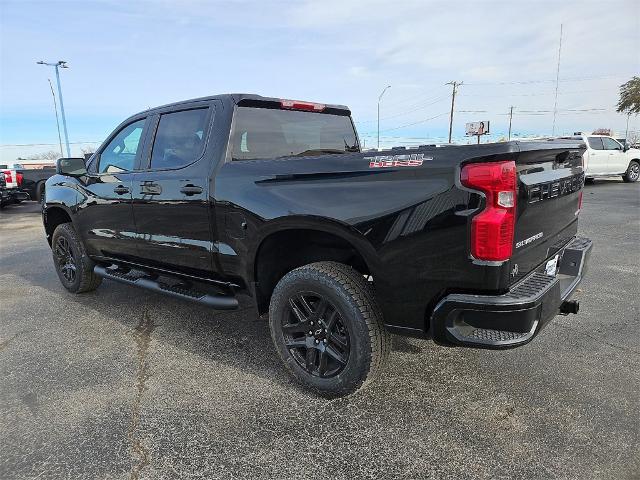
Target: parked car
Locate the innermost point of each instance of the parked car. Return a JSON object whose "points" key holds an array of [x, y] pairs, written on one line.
{"points": [[212, 199], [607, 157], [13, 178], [34, 181]]}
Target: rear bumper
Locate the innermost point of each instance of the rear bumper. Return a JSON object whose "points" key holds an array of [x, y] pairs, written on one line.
{"points": [[17, 194], [514, 318]]}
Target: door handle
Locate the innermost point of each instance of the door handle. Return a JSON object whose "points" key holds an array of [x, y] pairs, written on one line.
{"points": [[121, 190], [148, 188], [191, 190]]}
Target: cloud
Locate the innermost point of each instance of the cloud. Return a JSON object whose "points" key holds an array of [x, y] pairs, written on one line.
{"points": [[125, 57]]}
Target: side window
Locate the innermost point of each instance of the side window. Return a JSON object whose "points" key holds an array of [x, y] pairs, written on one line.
{"points": [[120, 154], [611, 144], [596, 143], [179, 139]]}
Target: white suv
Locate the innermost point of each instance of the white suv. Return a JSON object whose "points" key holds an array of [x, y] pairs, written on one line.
{"points": [[606, 157]]}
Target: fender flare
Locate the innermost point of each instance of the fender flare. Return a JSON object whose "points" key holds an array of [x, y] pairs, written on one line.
{"points": [[320, 224]]}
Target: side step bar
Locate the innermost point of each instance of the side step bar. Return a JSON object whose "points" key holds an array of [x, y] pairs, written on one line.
{"points": [[218, 302]]}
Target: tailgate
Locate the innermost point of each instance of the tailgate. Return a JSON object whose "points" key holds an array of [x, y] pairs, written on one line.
{"points": [[550, 181]]}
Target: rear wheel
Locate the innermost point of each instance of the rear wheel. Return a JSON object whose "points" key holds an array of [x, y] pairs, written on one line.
{"points": [[40, 192], [73, 266], [328, 328], [633, 172]]}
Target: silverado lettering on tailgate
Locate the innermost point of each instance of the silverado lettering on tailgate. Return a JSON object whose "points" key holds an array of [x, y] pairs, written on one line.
{"points": [[548, 190]]}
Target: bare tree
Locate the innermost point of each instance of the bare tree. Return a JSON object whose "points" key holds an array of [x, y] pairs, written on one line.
{"points": [[87, 150], [50, 155]]}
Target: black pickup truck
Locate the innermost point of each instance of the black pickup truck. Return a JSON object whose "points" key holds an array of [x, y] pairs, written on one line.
{"points": [[214, 199], [34, 181]]}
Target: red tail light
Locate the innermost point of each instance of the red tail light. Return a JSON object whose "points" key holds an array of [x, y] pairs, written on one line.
{"points": [[298, 105], [19, 178], [7, 176], [492, 229], [579, 202]]}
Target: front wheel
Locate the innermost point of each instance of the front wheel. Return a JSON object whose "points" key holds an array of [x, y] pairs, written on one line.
{"points": [[73, 266], [633, 172], [328, 329]]}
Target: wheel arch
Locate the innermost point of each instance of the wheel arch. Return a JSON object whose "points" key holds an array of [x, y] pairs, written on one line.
{"points": [[54, 216], [293, 242]]}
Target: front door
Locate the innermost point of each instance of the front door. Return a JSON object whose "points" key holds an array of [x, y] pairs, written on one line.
{"points": [[105, 217], [171, 196]]}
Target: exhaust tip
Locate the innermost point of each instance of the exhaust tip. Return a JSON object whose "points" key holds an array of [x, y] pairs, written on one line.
{"points": [[569, 306]]}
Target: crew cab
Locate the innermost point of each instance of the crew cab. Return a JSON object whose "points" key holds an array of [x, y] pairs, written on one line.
{"points": [[232, 196], [607, 157]]}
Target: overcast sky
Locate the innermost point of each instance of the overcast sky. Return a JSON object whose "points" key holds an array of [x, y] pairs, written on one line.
{"points": [[126, 56]]}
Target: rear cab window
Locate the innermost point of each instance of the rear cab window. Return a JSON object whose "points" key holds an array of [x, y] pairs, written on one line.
{"points": [[265, 133], [179, 139], [595, 143]]}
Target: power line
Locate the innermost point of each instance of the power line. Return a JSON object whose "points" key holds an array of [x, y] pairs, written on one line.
{"points": [[438, 99], [40, 144], [561, 80], [410, 124]]}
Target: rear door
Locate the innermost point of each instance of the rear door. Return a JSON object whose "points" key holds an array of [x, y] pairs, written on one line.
{"points": [[616, 159], [105, 218], [171, 192], [598, 157]]}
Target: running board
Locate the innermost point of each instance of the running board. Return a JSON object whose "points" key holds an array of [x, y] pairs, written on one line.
{"points": [[218, 302]]}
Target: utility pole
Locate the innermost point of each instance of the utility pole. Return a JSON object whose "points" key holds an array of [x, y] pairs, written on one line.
{"points": [[380, 98], [510, 118], [555, 103], [55, 108], [60, 64], [626, 133], [455, 84]]}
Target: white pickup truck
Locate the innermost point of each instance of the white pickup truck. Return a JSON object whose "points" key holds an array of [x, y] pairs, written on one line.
{"points": [[606, 157]]}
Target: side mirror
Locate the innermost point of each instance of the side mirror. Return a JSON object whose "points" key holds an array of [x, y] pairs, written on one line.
{"points": [[625, 148], [73, 167]]}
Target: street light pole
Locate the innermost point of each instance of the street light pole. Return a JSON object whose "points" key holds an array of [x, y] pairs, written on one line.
{"points": [[380, 98], [57, 66], [55, 109]]}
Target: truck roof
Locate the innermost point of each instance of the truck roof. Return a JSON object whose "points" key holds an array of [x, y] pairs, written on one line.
{"points": [[238, 97]]}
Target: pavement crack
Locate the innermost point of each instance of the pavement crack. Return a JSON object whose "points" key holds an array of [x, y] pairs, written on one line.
{"points": [[142, 337]]}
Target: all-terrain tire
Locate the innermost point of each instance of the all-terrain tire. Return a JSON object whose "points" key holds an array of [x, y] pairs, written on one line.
{"points": [[633, 172], [351, 304], [73, 266]]}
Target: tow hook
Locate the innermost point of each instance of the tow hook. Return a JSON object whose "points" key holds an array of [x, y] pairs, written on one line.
{"points": [[569, 306]]}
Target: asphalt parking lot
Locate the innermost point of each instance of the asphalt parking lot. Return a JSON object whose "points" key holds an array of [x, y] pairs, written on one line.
{"points": [[121, 383]]}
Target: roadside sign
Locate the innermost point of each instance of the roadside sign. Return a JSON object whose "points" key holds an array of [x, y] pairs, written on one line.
{"points": [[477, 128]]}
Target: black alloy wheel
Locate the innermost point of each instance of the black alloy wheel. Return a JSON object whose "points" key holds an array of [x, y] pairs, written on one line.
{"points": [[73, 265], [66, 259], [327, 328], [316, 335]]}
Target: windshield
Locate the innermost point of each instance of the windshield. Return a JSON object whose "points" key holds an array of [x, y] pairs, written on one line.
{"points": [[268, 133]]}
